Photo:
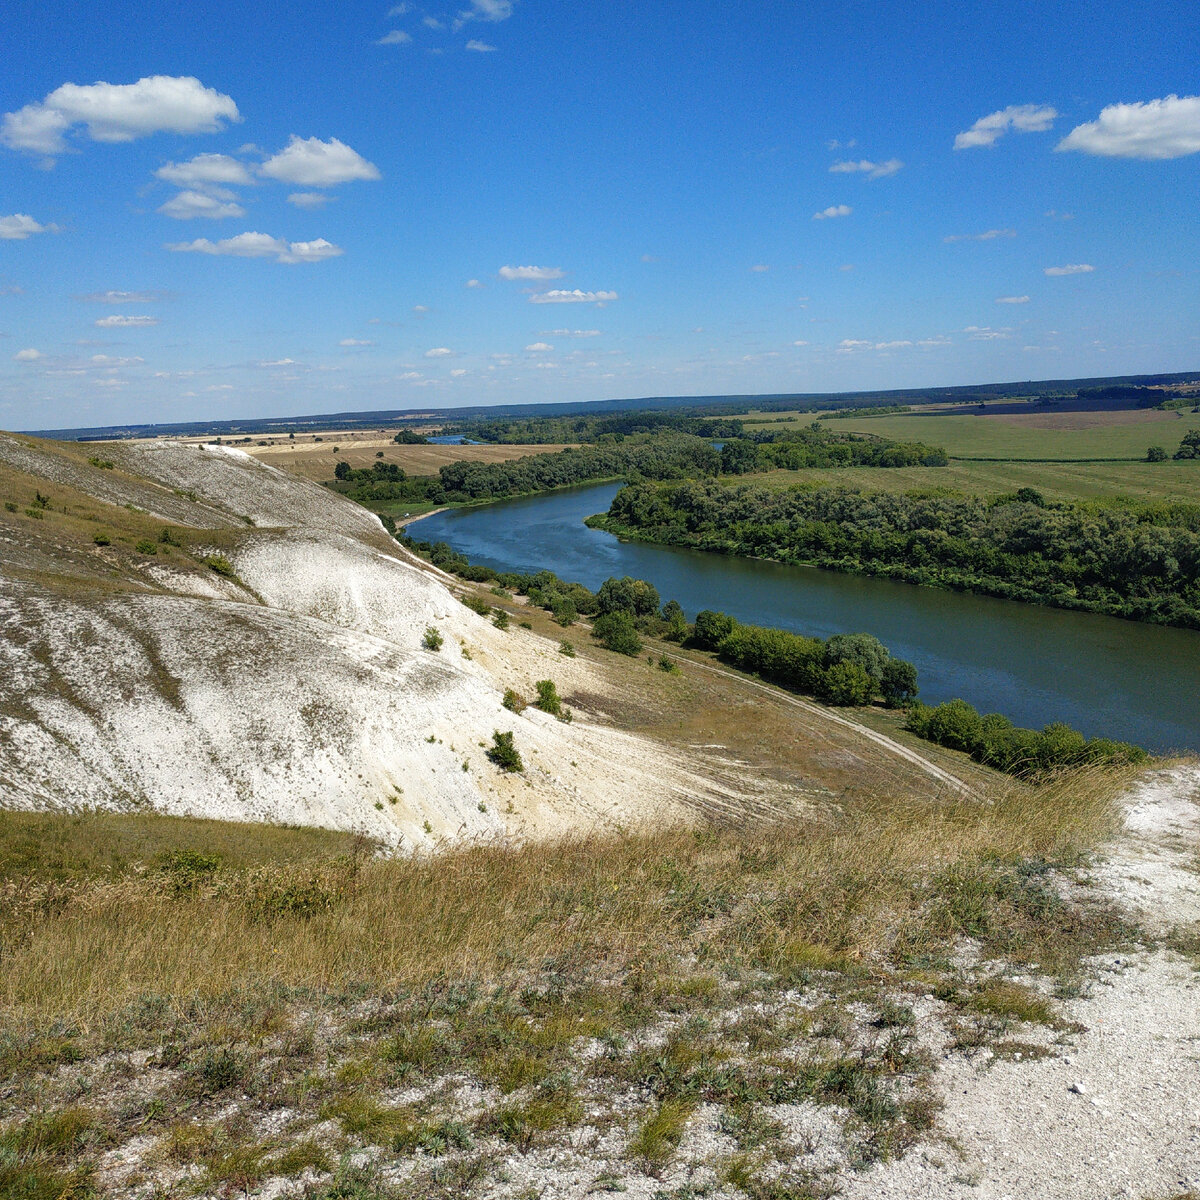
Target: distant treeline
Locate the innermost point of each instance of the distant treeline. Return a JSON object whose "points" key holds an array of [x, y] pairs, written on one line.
{"points": [[1142, 564], [665, 454], [541, 431], [815, 446]]}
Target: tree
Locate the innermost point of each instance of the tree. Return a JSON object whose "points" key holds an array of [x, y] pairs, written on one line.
{"points": [[629, 595], [899, 683], [615, 631], [847, 684], [861, 648], [1156, 454], [503, 753], [1190, 446], [406, 437], [712, 628], [677, 626], [342, 471]]}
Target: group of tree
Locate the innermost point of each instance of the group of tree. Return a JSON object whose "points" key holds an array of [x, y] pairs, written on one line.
{"points": [[848, 669], [815, 446], [1137, 562], [996, 742]]}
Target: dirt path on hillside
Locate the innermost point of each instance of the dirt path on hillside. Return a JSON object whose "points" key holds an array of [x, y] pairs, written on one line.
{"points": [[1117, 1112]]}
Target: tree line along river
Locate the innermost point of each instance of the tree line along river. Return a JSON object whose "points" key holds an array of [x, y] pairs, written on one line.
{"points": [[1107, 677]]}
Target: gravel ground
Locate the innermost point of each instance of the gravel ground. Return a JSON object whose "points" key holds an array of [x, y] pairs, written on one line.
{"points": [[1118, 1114]]}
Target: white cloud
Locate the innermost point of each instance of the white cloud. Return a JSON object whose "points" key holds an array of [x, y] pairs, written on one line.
{"points": [[420, 309], [439, 352], [834, 210], [117, 321], [351, 342], [537, 273], [109, 362], [113, 112], [487, 10], [279, 362], [473, 283], [891, 345], [215, 204], [29, 355], [19, 226], [1024, 118], [539, 348], [1055, 215], [432, 23], [759, 268], [1012, 299], [261, 245], [399, 10], [573, 297], [480, 47], [988, 235], [985, 333], [588, 333], [800, 343], [1152, 129], [308, 199], [1070, 269], [849, 345], [114, 297], [458, 372], [872, 170], [397, 37], [311, 162], [205, 169]]}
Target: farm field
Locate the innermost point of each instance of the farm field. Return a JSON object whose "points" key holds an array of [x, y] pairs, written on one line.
{"points": [[1028, 436], [1055, 480]]}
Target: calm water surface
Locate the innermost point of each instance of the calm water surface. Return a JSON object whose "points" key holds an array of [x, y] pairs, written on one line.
{"points": [[1106, 677]]}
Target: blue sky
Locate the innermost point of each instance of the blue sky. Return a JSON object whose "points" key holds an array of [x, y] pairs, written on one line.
{"points": [[222, 210]]}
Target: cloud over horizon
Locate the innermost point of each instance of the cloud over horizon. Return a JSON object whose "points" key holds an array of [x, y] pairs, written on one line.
{"points": [[261, 245]]}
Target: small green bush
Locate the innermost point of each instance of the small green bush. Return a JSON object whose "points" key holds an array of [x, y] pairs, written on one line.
{"points": [[500, 619], [10, 506], [219, 563], [146, 546], [104, 464], [35, 513], [615, 631], [503, 753], [476, 604], [566, 649], [513, 701], [548, 699], [432, 640], [102, 539], [168, 537]]}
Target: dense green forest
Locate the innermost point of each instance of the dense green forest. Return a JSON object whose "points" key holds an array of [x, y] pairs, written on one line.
{"points": [[1141, 562], [664, 454]]}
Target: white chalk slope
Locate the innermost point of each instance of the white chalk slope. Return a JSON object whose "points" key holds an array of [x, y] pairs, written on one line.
{"points": [[304, 696]]}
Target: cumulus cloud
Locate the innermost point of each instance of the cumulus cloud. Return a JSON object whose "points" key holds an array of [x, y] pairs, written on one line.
{"points": [[439, 352], [458, 372], [397, 37], [536, 273], [261, 245], [985, 333], [278, 362], [473, 283], [354, 342], [118, 321], [834, 210], [575, 296], [586, 333], [1152, 129], [539, 347], [1070, 269], [311, 162], [29, 355], [115, 297], [1024, 118], [851, 345], [988, 235], [872, 170], [480, 47], [759, 268], [205, 169], [1012, 299], [19, 226], [215, 204], [308, 199], [109, 362], [118, 112]]}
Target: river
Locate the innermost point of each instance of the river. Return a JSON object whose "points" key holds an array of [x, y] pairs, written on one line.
{"points": [[1106, 677]]}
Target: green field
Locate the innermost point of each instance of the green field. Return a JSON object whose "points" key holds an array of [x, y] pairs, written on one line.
{"points": [[1060, 436], [1058, 481]]}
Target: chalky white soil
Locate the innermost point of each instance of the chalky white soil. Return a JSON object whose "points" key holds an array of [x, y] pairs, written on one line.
{"points": [[303, 694], [1117, 1113]]}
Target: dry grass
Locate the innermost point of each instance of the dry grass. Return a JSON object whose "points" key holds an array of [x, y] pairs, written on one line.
{"points": [[883, 880]]}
